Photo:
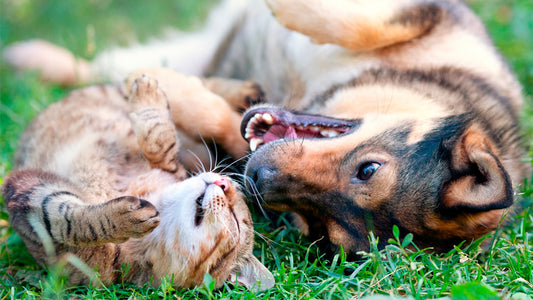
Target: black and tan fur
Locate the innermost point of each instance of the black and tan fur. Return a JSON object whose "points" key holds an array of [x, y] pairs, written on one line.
{"points": [[419, 113], [99, 175]]}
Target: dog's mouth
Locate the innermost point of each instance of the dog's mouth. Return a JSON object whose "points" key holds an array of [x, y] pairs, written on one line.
{"points": [[264, 125]]}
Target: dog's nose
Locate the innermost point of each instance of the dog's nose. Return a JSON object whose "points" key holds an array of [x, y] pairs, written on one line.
{"points": [[260, 176]]}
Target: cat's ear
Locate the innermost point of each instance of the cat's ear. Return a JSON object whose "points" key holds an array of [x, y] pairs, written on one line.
{"points": [[253, 275]]}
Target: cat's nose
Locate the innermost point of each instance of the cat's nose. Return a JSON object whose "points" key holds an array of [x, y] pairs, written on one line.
{"points": [[223, 183]]}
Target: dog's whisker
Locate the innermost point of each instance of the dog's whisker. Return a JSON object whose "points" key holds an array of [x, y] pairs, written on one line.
{"points": [[257, 196]]}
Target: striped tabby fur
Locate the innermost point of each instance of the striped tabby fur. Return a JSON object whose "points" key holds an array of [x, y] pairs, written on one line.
{"points": [[100, 176]]}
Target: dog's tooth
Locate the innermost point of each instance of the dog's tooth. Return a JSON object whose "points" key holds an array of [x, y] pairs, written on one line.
{"points": [[314, 128], [247, 135], [254, 142], [249, 130], [329, 133], [249, 126], [256, 116], [268, 118], [253, 120]]}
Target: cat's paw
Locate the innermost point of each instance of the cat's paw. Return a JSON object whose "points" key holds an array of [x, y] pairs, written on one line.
{"points": [[134, 217], [145, 93]]}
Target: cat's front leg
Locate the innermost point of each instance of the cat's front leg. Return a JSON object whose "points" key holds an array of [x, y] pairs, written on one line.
{"points": [[42, 204], [197, 111], [152, 123]]}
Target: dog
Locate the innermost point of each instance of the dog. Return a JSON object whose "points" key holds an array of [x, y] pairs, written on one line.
{"points": [[379, 113]]}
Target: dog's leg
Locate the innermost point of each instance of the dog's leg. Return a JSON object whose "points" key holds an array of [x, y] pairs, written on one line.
{"points": [[358, 25], [239, 94], [53, 63], [198, 112]]}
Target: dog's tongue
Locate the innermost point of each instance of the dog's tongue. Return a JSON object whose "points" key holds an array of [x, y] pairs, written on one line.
{"points": [[277, 132]]}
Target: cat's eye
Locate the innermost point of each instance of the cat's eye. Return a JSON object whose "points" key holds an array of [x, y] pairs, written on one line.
{"points": [[366, 170]]}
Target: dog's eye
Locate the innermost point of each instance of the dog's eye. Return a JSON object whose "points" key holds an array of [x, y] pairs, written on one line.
{"points": [[366, 170]]}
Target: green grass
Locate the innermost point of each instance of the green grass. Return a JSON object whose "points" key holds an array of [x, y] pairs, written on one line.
{"points": [[505, 269]]}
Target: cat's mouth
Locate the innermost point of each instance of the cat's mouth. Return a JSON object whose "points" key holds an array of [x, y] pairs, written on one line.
{"points": [[200, 212], [266, 124], [214, 201], [199, 215]]}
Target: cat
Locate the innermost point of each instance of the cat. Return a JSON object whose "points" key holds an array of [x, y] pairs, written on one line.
{"points": [[100, 176]]}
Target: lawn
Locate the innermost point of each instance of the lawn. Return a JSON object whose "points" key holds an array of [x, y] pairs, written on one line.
{"points": [[505, 269]]}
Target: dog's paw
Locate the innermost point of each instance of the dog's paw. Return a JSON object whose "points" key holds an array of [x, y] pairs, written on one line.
{"points": [[304, 15], [251, 94], [239, 94], [284, 10], [133, 217], [53, 63]]}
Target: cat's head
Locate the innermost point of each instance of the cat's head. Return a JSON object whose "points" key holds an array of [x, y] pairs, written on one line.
{"points": [[206, 227]]}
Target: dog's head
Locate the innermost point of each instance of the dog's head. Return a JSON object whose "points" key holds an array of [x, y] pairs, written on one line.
{"points": [[433, 174]]}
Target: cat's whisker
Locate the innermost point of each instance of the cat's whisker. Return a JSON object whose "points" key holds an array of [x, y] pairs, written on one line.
{"points": [[211, 162], [255, 193], [199, 166], [216, 156], [222, 165], [227, 228], [190, 174], [266, 239]]}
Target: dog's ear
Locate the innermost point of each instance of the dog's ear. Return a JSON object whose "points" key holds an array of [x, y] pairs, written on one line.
{"points": [[479, 181]]}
